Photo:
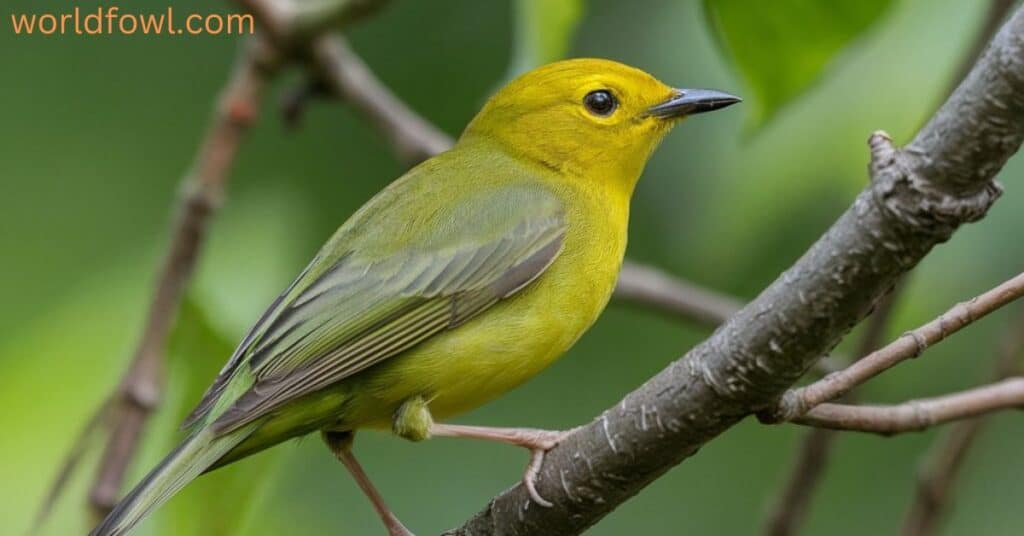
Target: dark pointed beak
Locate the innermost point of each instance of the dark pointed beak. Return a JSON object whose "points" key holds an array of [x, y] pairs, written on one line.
{"points": [[692, 101]]}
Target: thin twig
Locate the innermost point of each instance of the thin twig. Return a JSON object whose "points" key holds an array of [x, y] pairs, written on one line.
{"points": [[140, 389], [797, 402], [90, 431], [945, 459], [413, 138], [816, 446], [917, 415], [652, 287], [289, 23], [932, 495], [813, 454]]}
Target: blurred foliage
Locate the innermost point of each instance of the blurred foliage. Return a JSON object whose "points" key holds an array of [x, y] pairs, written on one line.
{"points": [[544, 30], [780, 48], [97, 132], [222, 500]]}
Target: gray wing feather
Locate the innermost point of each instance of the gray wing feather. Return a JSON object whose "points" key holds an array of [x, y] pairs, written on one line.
{"points": [[358, 314]]}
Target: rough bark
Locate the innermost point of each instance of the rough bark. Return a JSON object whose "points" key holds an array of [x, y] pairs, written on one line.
{"points": [[917, 198]]}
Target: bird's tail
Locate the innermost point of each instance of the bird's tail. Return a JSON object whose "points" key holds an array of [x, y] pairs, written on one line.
{"points": [[189, 460]]}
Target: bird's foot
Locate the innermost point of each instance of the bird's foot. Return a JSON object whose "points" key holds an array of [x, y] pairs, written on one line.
{"points": [[538, 442], [544, 440], [340, 444]]}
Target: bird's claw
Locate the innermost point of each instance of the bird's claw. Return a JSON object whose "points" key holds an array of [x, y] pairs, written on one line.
{"points": [[541, 442]]}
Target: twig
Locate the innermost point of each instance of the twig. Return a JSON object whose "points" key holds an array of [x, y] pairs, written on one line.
{"points": [[91, 430], [800, 401], [917, 198], [289, 24], [202, 190], [140, 389], [917, 415], [813, 454], [816, 446], [413, 138], [946, 457], [933, 491], [652, 287]]}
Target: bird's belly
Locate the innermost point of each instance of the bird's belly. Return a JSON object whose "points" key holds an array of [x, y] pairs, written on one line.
{"points": [[474, 363]]}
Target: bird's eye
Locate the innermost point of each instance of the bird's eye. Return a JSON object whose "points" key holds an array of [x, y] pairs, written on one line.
{"points": [[600, 102]]}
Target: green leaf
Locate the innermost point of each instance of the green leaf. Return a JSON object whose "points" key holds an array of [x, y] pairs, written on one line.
{"points": [[780, 48], [544, 30]]}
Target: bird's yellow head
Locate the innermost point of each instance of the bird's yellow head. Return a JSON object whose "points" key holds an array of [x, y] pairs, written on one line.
{"points": [[588, 119]]}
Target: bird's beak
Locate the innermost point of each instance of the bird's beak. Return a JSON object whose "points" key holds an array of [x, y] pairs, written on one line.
{"points": [[692, 101]]}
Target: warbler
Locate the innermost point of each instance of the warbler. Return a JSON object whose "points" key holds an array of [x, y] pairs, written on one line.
{"points": [[459, 281]]}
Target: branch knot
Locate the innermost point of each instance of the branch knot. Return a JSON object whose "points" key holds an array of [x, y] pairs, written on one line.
{"points": [[915, 201]]}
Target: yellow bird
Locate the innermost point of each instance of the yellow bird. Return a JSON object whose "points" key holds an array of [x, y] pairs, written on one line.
{"points": [[461, 280]]}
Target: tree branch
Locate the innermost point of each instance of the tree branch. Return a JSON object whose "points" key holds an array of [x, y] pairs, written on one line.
{"points": [[815, 449], [800, 401], [412, 138], [290, 24], [654, 288], [140, 389], [946, 457], [917, 415], [917, 198]]}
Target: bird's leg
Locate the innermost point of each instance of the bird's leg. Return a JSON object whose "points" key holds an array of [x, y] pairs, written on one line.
{"points": [[537, 441], [414, 422], [340, 444]]}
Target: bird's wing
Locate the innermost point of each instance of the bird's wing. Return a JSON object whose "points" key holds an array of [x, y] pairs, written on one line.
{"points": [[339, 319]]}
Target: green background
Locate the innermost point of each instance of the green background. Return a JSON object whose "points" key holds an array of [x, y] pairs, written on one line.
{"points": [[96, 133]]}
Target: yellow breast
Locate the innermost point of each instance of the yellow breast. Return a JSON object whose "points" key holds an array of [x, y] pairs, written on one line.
{"points": [[517, 338]]}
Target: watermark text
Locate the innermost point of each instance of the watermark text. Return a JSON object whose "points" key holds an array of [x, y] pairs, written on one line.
{"points": [[110, 20]]}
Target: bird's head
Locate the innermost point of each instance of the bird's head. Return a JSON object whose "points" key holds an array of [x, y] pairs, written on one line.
{"points": [[589, 119]]}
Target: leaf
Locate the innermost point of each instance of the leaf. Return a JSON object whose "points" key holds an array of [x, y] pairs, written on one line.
{"points": [[782, 47], [544, 30]]}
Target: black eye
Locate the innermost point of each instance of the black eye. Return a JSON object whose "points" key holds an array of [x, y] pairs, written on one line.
{"points": [[600, 102]]}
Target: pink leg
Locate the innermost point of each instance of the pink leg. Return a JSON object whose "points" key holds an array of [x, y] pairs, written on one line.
{"points": [[537, 441], [340, 444]]}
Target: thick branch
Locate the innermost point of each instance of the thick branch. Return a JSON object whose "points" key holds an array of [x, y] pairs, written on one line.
{"points": [[797, 402], [917, 415], [815, 447], [917, 198]]}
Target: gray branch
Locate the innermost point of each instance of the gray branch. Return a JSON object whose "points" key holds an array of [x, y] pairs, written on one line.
{"points": [[917, 415], [918, 196]]}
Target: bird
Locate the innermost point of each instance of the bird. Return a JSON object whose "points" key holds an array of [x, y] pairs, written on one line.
{"points": [[460, 280]]}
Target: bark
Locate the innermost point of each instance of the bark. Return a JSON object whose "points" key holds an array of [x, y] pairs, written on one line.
{"points": [[917, 198]]}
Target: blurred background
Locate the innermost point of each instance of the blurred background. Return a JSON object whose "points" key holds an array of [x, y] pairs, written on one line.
{"points": [[98, 131]]}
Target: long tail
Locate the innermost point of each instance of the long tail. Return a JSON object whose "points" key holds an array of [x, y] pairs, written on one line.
{"points": [[190, 459]]}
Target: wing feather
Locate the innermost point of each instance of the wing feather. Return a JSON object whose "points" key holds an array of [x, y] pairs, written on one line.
{"points": [[358, 312]]}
